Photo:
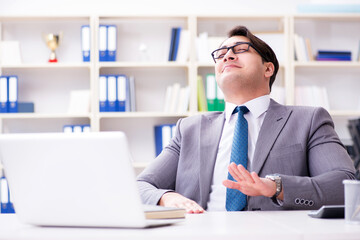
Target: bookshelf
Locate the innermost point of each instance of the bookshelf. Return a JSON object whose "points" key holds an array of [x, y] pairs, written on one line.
{"points": [[49, 85], [339, 78]]}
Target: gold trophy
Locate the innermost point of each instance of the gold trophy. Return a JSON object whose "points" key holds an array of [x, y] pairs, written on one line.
{"points": [[52, 41]]}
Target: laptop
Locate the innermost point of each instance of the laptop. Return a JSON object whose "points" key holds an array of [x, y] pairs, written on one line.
{"points": [[68, 179]]}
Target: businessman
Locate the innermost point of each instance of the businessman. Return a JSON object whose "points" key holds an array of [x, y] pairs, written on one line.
{"points": [[257, 154]]}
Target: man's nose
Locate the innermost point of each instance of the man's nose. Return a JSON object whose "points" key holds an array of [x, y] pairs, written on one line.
{"points": [[230, 55]]}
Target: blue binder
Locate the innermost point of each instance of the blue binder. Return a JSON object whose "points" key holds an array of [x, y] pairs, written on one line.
{"points": [[4, 94], [86, 128], [13, 94], [85, 42], [163, 135], [77, 129], [121, 93], [103, 53], [111, 93], [172, 42], [111, 43], [6, 204], [176, 43], [103, 93], [68, 128]]}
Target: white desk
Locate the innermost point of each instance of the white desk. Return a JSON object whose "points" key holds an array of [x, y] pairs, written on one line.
{"points": [[213, 225]]}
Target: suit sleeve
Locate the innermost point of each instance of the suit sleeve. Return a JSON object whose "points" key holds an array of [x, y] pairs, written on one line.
{"points": [[160, 176], [328, 164]]}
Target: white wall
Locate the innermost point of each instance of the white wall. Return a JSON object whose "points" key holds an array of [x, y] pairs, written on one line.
{"points": [[71, 7]]}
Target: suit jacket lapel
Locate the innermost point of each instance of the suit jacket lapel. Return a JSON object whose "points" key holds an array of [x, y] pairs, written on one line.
{"points": [[275, 119], [210, 134]]}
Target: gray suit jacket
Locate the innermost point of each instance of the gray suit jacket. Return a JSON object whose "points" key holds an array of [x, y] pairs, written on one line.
{"points": [[299, 143]]}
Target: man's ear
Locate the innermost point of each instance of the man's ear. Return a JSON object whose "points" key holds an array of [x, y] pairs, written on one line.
{"points": [[269, 69]]}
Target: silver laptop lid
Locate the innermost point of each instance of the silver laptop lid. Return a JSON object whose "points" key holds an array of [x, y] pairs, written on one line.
{"points": [[84, 179]]}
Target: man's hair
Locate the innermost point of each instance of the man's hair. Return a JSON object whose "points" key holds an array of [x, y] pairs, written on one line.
{"points": [[267, 53]]}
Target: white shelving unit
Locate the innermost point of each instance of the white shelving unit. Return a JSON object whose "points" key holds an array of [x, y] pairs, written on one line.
{"points": [[48, 85], [340, 78]]}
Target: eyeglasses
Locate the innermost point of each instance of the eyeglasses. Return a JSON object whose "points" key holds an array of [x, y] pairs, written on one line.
{"points": [[239, 47]]}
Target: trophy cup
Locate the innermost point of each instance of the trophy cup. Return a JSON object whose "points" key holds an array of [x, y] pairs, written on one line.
{"points": [[52, 41]]}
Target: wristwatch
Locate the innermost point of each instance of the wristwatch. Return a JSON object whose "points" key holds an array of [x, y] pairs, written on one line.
{"points": [[277, 179]]}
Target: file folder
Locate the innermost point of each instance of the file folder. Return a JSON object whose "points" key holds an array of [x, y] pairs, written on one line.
{"points": [[176, 44], [102, 93], [121, 93], [128, 95], [77, 129], [6, 204], [220, 102], [68, 129], [210, 92], [85, 42], [132, 91], [172, 42], [111, 96], [111, 43], [13, 94], [163, 135], [3, 94], [103, 43], [86, 128]]}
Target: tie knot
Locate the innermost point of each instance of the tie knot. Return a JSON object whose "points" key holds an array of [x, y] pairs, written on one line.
{"points": [[241, 109]]}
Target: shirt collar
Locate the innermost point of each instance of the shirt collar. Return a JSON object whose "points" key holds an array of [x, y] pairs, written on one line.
{"points": [[256, 106]]}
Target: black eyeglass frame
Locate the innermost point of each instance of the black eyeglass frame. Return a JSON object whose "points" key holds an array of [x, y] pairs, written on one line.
{"points": [[232, 49]]}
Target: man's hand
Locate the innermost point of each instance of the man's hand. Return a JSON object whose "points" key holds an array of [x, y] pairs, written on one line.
{"points": [[173, 199], [250, 183]]}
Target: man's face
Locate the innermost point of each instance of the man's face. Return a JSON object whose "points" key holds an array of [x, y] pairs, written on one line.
{"points": [[242, 71]]}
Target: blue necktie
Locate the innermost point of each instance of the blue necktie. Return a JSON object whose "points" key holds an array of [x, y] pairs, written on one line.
{"points": [[236, 200]]}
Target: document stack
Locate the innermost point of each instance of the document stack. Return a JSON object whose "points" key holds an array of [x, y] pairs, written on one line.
{"points": [[177, 99], [116, 93]]}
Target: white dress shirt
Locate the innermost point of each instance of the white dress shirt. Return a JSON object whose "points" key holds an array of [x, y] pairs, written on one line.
{"points": [[255, 117]]}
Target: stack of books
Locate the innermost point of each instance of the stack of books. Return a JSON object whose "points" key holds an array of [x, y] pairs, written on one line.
{"points": [[326, 55], [177, 99]]}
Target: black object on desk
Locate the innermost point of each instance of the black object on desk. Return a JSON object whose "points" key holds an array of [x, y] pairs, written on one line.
{"points": [[329, 211]]}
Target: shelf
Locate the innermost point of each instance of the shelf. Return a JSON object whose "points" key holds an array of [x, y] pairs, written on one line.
{"points": [[212, 65], [55, 82], [43, 17], [47, 65], [327, 64], [343, 113], [137, 164], [143, 64], [327, 16], [41, 115], [141, 114]]}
